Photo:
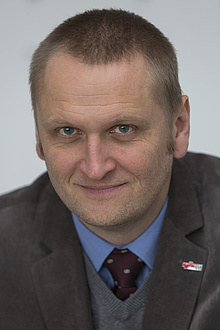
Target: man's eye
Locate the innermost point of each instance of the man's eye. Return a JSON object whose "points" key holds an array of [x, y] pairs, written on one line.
{"points": [[67, 131], [122, 129]]}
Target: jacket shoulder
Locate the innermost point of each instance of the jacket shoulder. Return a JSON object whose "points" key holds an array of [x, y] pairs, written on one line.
{"points": [[204, 169], [28, 194]]}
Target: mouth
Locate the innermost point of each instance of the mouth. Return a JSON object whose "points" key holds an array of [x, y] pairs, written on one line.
{"points": [[102, 190]]}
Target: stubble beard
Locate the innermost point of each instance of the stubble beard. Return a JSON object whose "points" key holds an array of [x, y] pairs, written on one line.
{"points": [[139, 207], [128, 212]]}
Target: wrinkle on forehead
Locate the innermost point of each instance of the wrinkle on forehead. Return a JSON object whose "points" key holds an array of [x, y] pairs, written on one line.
{"points": [[93, 101]]}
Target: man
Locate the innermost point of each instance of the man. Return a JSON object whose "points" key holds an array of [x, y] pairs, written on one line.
{"points": [[113, 129]]}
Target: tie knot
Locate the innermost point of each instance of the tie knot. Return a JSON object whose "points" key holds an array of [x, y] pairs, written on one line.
{"points": [[125, 267]]}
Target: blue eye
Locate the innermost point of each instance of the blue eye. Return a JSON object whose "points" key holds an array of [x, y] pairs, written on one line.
{"points": [[67, 131], [123, 129]]}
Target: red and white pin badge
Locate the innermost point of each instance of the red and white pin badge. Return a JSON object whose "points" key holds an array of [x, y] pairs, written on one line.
{"points": [[192, 266]]}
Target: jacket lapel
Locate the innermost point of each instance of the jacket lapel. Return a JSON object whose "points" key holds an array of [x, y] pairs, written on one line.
{"points": [[59, 275], [173, 290]]}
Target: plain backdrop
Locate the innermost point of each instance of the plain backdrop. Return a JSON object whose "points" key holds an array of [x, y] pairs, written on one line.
{"points": [[193, 26]]}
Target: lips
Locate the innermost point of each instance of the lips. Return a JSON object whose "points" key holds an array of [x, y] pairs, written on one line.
{"points": [[102, 187], [101, 190]]}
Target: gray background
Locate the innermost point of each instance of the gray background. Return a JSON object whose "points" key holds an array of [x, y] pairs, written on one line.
{"points": [[193, 26]]}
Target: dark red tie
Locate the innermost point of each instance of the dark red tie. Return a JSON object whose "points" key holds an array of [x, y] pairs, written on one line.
{"points": [[125, 267]]}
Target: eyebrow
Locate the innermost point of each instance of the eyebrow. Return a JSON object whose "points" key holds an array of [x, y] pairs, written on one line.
{"points": [[57, 122], [123, 119]]}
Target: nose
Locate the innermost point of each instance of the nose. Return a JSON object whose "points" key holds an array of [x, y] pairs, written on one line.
{"points": [[97, 162]]}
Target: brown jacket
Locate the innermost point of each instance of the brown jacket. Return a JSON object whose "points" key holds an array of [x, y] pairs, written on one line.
{"points": [[43, 282]]}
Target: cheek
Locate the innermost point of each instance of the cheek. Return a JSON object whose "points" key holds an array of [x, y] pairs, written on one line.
{"points": [[135, 160], [149, 161], [60, 163]]}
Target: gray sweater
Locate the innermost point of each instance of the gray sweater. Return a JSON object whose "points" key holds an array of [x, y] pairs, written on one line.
{"points": [[108, 311]]}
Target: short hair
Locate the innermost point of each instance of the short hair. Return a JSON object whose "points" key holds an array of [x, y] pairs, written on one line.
{"points": [[112, 35]]}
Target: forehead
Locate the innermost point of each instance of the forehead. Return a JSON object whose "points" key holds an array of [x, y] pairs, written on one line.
{"points": [[74, 90], [64, 72]]}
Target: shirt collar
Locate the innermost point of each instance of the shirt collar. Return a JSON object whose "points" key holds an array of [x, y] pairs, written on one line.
{"points": [[98, 249]]}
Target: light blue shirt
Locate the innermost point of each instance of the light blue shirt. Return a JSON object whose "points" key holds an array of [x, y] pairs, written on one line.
{"points": [[98, 249]]}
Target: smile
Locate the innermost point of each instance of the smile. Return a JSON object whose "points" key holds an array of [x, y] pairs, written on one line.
{"points": [[102, 190]]}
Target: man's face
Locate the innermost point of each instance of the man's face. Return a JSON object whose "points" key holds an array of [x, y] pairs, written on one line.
{"points": [[105, 141]]}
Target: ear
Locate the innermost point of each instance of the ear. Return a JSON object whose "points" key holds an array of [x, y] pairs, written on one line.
{"points": [[182, 129], [39, 147]]}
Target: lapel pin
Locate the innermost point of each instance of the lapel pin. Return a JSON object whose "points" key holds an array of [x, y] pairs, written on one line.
{"points": [[192, 266]]}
